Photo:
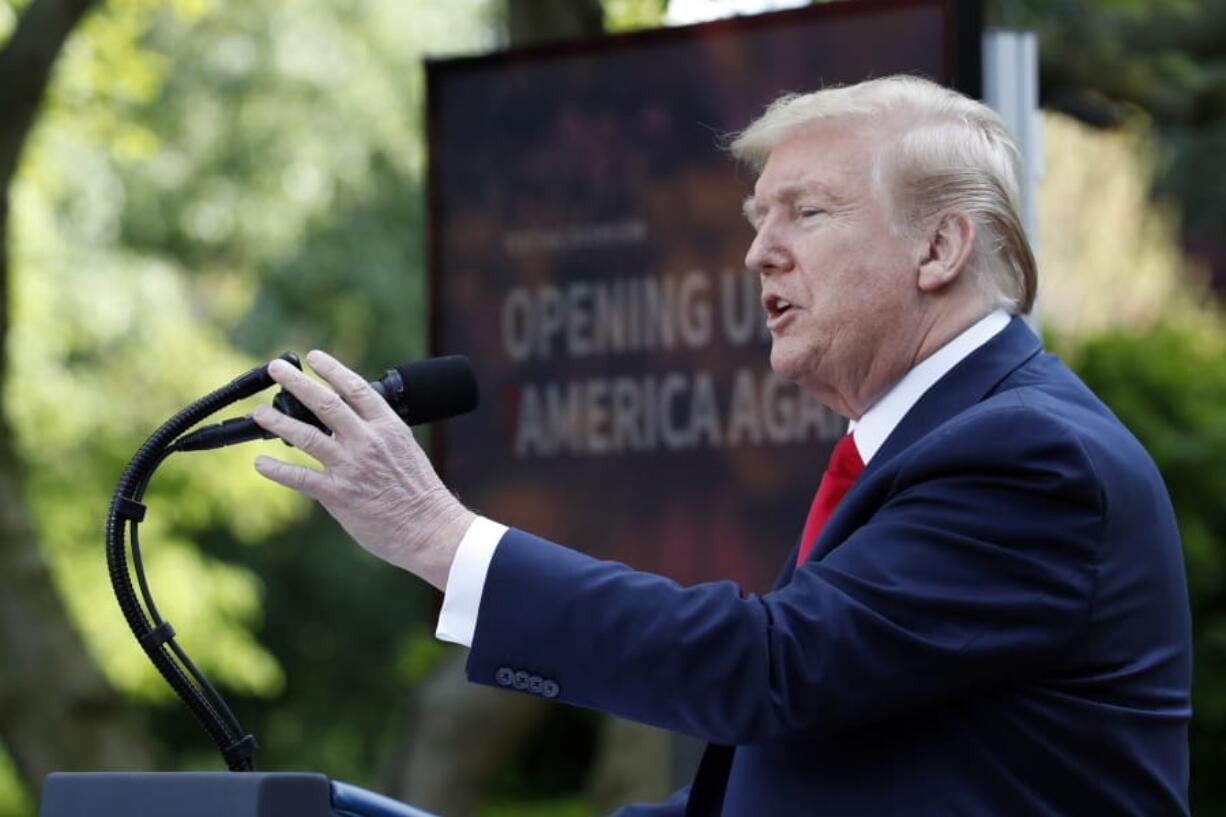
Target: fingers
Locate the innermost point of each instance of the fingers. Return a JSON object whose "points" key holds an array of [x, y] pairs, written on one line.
{"points": [[302, 436], [350, 385], [312, 483], [326, 404]]}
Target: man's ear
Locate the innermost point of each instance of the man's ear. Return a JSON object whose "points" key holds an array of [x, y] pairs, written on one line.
{"points": [[949, 248]]}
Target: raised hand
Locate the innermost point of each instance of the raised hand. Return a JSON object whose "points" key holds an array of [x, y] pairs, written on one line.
{"points": [[375, 480]]}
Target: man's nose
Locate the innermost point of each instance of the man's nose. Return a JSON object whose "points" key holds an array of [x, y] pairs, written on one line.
{"points": [[766, 254]]}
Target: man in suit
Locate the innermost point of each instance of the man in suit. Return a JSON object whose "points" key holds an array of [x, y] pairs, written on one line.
{"points": [[987, 610]]}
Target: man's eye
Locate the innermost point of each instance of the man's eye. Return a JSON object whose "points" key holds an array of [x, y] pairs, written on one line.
{"points": [[809, 212]]}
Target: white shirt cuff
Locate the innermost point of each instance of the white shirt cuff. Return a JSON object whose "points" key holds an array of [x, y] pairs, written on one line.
{"points": [[466, 581]]}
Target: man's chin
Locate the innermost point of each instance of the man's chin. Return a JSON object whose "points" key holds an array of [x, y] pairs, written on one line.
{"points": [[784, 364], [798, 367]]}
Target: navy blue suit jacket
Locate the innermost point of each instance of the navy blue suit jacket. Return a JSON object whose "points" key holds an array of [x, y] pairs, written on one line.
{"points": [[993, 622]]}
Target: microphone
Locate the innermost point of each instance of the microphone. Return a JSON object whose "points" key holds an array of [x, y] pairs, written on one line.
{"points": [[422, 391]]}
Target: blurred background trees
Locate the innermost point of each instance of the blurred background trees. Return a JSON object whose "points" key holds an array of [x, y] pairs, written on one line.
{"points": [[203, 184]]}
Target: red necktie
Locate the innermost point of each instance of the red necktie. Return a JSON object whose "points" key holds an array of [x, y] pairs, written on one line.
{"points": [[845, 465]]}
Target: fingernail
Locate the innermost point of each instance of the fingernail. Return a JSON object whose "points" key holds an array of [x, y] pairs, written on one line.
{"points": [[260, 413], [261, 463], [315, 357], [277, 366]]}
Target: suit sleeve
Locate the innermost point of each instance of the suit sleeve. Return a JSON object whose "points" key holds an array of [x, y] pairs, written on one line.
{"points": [[977, 569]]}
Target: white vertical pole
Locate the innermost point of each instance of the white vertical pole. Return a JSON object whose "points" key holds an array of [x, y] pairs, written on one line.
{"points": [[1011, 88]]}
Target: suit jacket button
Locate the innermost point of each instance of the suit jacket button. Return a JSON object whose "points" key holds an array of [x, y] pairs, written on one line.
{"points": [[505, 676], [521, 680], [549, 689], [534, 685]]}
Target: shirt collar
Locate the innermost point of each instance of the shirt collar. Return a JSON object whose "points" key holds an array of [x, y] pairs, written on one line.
{"points": [[876, 424]]}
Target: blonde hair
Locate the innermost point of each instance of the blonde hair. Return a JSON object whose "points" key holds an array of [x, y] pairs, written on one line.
{"points": [[948, 153]]}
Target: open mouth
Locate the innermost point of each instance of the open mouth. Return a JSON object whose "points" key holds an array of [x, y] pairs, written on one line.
{"points": [[776, 306]]}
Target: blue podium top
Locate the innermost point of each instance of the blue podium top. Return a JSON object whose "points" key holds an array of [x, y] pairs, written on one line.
{"points": [[210, 794], [351, 801]]}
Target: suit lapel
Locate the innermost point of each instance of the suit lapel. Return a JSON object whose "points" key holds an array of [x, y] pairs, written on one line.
{"points": [[969, 382], [789, 567], [963, 386]]}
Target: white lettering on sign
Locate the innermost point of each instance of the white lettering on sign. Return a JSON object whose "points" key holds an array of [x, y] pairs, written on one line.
{"points": [[608, 317], [673, 411], [669, 412]]}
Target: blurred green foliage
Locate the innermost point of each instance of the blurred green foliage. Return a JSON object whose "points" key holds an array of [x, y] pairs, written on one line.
{"points": [[1168, 385], [632, 15], [1106, 61], [105, 343], [566, 807], [209, 184], [14, 800], [553, 764], [286, 186]]}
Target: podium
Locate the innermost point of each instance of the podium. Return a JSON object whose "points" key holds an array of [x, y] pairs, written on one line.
{"points": [[212, 794]]}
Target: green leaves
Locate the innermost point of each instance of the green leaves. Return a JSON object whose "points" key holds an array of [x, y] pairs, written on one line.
{"points": [[1168, 385], [210, 183], [1106, 61]]}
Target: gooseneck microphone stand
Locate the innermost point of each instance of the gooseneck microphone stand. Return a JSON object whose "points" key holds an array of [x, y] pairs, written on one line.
{"points": [[419, 392], [156, 635]]}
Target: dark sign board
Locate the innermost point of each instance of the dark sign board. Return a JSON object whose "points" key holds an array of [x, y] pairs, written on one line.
{"points": [[587, 252]]}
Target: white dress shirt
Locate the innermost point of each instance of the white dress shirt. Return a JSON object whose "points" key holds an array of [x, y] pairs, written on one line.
{"points": [[466, 580]]}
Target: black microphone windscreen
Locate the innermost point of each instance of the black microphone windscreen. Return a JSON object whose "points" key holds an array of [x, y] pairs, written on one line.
{"points": [[436, 388]]}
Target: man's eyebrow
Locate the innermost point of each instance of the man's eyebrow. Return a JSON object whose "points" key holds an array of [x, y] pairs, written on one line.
{"points": [[809, 187], [752, 208]]}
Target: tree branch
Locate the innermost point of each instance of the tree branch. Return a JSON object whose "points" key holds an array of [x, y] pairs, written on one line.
{"points": [[56, 709], [25, 70]]}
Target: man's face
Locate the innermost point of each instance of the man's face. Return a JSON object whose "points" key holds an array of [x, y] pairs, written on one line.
{"points": [[838, 280]]}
